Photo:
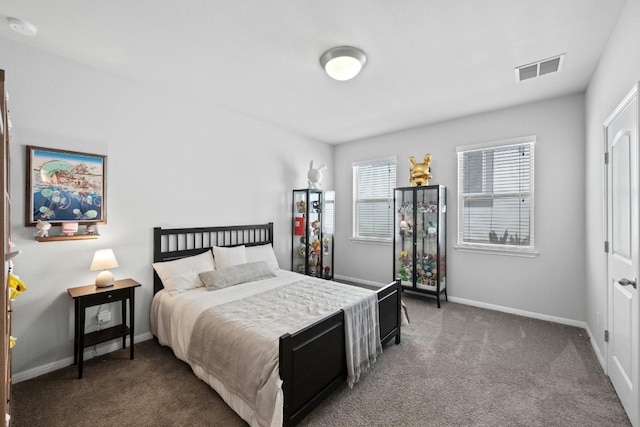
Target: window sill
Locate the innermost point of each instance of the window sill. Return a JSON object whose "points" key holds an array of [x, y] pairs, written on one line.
{"points": [[524, 253]]}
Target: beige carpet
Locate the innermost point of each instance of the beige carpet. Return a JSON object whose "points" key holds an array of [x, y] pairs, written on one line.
{"points": [[456, 366]]}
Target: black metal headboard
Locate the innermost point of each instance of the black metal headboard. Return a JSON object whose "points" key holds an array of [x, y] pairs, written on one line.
{"points": [[174, 243]]}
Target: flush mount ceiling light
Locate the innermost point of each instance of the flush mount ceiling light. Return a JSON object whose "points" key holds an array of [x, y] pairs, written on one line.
{"points": [[22, 27], [343, 63]]}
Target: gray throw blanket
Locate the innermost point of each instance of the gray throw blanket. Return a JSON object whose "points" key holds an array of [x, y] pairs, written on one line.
{"points": [[362, 343]]}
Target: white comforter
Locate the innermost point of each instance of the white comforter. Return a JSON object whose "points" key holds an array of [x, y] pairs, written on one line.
{"points": [[258, 399]]}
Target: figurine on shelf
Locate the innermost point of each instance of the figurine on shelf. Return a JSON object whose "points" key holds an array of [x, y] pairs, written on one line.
{"points": [[421, 275], [12, 253], [69, 228], [298, 226], [315, 227], [90, 229], [431, 230], [42, 228], [420, 173], [302, 206], [325, 245], [404, 272], [315, 175], [406, 228]]}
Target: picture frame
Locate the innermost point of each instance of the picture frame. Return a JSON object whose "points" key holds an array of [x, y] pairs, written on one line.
{"points": [[65, 186]]}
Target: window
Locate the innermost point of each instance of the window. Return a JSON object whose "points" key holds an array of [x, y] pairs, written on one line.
{"points": [[373, 185], [495, 196]]}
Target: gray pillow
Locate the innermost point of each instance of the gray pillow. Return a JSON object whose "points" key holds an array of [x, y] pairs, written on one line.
{"points": [[236, 274]]}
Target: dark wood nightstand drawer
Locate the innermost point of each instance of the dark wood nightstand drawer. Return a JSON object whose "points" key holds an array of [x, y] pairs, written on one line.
{"points": [[106, 297]]}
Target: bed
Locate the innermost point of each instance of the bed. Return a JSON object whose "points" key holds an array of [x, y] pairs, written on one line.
{"points": [[311, 360]]}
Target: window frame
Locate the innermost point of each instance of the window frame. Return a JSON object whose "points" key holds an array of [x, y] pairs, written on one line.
{"points": [[355, 201], [492, 248]]}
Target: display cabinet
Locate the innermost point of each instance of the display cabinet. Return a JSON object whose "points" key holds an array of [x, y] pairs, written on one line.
{"points": [[313, 232], [420, 241]]}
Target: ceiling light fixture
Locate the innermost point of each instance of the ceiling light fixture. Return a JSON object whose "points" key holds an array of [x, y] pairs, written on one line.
{"points": [[343, 63], [22, 27]]}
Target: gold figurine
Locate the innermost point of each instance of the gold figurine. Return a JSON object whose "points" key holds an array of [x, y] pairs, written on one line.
{"points": [[420, 173]]}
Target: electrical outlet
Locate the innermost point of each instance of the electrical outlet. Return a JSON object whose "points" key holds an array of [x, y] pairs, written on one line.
{"points": [[597, 318], [104, 316]]}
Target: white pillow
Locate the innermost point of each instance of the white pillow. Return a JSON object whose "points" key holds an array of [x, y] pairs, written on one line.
{"points": [[182, 274], [262, 253], [229, 256]]}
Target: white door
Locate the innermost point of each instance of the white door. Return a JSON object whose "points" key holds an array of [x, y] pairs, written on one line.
{"points": [[621, 131]]}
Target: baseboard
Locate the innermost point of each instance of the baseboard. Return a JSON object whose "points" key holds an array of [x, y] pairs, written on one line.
{"points": [[88, 354], [596, 350], [555, 319], [359, 281], [524, 313]]}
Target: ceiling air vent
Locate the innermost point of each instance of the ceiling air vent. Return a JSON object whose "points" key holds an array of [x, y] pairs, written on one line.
{"points": [[540, 68]]}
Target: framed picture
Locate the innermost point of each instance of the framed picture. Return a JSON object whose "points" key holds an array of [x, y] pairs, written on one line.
{"points": [[65, 186]]}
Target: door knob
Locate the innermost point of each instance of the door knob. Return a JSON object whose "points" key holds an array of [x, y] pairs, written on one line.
{"points": [[627, 282]]}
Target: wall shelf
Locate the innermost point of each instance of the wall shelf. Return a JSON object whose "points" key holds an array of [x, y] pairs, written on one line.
{"points": [[60, 238]]}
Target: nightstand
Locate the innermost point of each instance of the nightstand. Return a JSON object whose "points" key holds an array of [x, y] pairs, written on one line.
{"points": [[91, 295]]}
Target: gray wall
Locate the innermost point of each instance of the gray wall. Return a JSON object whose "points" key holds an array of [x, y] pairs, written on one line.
{"points": [[550, 285], [172, 162], [617, 72]]}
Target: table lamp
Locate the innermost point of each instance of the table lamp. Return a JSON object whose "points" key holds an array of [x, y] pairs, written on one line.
{"points": [[103, 260]]}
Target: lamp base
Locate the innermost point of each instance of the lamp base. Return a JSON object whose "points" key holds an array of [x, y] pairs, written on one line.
{"points": [[104, 279]]}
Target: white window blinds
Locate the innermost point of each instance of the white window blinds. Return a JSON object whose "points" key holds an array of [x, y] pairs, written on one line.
{"points": [[373, 185], [495, 195]]}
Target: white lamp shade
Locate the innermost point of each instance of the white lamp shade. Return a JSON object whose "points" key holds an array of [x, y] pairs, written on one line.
{"points": [[104, 259]]}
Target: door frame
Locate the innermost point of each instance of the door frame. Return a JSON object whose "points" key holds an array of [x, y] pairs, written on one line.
{"points": [[634, 92], [605, 207]]}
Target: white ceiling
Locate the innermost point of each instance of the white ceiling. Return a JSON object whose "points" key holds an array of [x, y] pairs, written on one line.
{"points": [[428, 60]]}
